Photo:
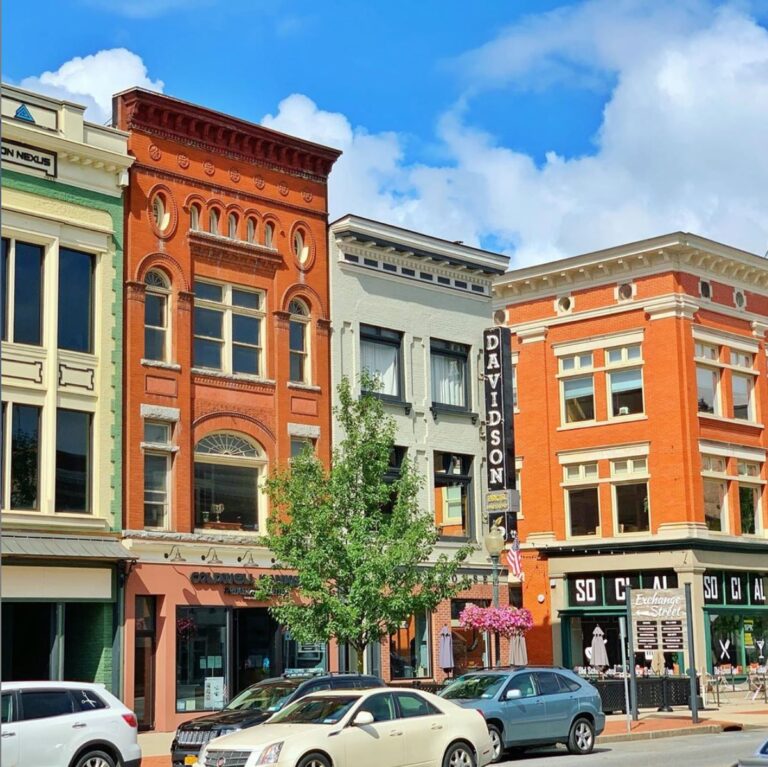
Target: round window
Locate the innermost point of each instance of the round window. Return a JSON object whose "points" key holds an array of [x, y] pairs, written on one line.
{"points": [[499, 316], [739, 299], [625, 291], [564, 304]]}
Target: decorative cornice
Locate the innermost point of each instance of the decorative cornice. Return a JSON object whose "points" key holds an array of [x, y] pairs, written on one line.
{"points": [[759, 329], [192, 125], [324, 326], [185, 300], [135, 291], [216, 249], [236, 382], [282, 319], [532, 335]]}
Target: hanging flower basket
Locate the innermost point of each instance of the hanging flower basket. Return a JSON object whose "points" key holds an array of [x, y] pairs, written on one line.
{"points": [[505, 621]]}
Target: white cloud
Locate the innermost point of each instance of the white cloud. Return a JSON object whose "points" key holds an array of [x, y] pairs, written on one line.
{"points": [[92, 80], [681, 144]]}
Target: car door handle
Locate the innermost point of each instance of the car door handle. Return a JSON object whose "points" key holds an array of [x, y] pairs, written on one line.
{"points": [[78, 725], [436, 727], [9, 734], [394, 733]]}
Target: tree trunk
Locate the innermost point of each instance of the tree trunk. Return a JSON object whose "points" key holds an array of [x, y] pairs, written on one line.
{"points": [[360, 659]]}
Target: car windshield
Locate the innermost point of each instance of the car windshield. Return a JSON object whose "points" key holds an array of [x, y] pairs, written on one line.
{"points": [[316, 710], [262, 697], [475, 686]]}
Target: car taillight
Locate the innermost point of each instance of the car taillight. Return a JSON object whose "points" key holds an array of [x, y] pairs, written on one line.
{"points": [[130, 720]]}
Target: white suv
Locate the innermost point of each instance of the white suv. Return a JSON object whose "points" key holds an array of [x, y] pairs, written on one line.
{"points": [[66, 724]]}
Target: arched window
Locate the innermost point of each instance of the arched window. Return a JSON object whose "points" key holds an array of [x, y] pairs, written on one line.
{"points": [[269, 234], [194, 217], [156, 316], [213, 221], [227, 471], [299, 323], [160, 213], [232, 226], [300, 249], [250, 230]]}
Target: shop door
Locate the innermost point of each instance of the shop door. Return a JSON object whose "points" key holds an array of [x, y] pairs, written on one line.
{"points": [[28, 638], [144, 663], [257, 641]]}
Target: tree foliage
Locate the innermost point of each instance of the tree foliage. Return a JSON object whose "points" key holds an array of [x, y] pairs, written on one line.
{"points": [[361, 547]]}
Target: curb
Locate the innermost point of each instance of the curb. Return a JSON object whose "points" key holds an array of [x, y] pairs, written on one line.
{"points": [[702, 729]]}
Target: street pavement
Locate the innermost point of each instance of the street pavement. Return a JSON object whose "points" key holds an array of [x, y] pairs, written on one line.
{"points": [[719, 750]]}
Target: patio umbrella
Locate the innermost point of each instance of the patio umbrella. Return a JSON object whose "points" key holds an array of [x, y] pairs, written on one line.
{"points": [[518, 651], [599, 655], [445, 657], [658, 663]]}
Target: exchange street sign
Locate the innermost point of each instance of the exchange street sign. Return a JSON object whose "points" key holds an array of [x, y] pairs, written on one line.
{"points": [[659, 620]]}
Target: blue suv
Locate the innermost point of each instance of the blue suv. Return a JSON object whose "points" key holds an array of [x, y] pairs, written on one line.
{"points": [[532, 706]]}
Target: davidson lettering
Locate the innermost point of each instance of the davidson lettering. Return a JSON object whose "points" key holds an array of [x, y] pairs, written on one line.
{"points": [[497, 367]]}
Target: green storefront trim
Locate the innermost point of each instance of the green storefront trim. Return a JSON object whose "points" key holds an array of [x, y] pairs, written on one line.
{"points": [[86, 198]]}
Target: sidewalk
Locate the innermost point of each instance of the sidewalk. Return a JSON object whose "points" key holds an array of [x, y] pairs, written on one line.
{"points": [[735, 715]]}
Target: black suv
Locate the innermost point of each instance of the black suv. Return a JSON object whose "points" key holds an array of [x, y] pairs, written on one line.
{"points": [[255, 705]]}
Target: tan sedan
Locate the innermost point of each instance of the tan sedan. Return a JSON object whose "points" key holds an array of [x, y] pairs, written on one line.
{"points": [[382, 727]]}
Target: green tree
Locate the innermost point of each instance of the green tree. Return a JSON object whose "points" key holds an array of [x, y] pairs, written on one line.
{"points": [[361, 547]]}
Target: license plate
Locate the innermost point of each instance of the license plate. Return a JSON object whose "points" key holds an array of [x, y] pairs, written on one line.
{"points": [[190, 759]]}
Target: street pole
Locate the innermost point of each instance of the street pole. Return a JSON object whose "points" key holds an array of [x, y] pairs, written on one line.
{"points": [[691, 655], [495, 563], [631, 642], [623, 632]]}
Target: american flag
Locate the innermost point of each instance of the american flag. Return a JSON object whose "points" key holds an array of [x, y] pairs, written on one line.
{"points": [[514, 560]]}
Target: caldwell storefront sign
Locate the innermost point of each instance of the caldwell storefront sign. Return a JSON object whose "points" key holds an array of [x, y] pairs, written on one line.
{"points": [[239, 584], [502, 499]]}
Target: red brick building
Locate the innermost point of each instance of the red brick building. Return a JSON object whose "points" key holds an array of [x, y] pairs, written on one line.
{"points": [[227, 374], [641, 440]]}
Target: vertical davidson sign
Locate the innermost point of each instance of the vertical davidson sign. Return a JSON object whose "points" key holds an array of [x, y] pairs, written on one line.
{"points": [[500, 433]]}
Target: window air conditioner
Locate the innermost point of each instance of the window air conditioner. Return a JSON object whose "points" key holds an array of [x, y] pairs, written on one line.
{"points": [[624, 410]]}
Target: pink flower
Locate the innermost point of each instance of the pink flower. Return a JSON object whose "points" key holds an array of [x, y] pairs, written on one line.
{"points": [[506, 621]]}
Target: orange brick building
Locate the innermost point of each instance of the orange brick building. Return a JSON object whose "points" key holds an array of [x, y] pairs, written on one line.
{"points": [[641, 403], [227, 374]]}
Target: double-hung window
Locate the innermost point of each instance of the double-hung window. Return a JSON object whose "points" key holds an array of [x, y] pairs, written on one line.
{"points": [[749, 496], [156, 316], [21, 480], [380, 356], [582, 499], [453, 494], [715, 483], [630, 495], [707, 378], [625, 382], [741, 387], [578, 388], [299, 341], [74, 461], [157, 469], [228, 328], [75, 325], [449, 368], [22, 280]]}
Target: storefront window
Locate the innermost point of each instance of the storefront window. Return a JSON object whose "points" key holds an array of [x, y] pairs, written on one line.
{"points": [[725, 633], [755, 636], [453, 492], [409, 649], [201, 658], [470, 647]]}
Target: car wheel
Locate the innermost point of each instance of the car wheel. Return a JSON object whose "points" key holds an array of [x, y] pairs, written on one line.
{"points": [[459, 755], [581, 739], [497, 745], [314, 760], [95, 759]]}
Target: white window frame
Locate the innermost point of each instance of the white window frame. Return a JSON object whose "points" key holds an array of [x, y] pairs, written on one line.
{"points": [[637, 473], [581, 476], [165, 293], [624, 363], [759, 488], [305, 320], [749, 377], [725, 517], [50, 250], [718, 401], [232, 224], [194, 217], [166, 450], [229, 310]]}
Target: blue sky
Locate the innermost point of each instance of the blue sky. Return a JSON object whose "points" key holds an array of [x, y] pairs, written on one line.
{"points": [[536, 127]]}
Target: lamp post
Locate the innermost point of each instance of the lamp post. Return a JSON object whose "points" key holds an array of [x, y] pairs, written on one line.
{"points": [[494, 545]]}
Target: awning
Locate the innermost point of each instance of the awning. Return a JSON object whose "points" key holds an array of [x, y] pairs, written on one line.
{"points": [[50, 546]]}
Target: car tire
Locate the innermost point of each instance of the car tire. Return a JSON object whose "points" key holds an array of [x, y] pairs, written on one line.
{"points": [[581, 739], [459, 755], [95, 759], [497, 743], [314, 760]]}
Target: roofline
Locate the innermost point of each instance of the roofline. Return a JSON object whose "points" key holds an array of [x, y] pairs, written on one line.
{"points": [[678, 239], [43, 96], [564, 549]]}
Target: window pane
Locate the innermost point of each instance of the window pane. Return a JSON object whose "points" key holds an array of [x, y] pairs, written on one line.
{"points": [[449, 385], [632, 508], [201, 653], [155, 489], [42, 705], [627, 392], [706, 382], [579, 399], [158, 433], [409, 649], [246, 330], [584, 511], [75, 300], [297, 367], [742, 389], [154, 344], [154, 310], [245, 359], [73, 459], [382, 360], [748, 508], [412, 705], [633, 352], [453, 491], [208, 322], [28, 286], [4, 258], [234, 487], [245, 298], [25, 456], [714, 505], [207, 354], [297, 330], [208, 292]]}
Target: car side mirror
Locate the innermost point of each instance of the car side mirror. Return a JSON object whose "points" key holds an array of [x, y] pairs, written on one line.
{"points": [[514, 694], [363, 718]]}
